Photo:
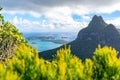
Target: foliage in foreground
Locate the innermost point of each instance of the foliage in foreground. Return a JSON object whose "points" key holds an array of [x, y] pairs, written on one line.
{"points": [[9, 38], [26, 65], [1, 17]]}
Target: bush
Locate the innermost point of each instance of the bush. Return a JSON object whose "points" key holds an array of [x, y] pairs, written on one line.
{"points": [[106, 64], [26, 65], [9, 38], [1, 18]]}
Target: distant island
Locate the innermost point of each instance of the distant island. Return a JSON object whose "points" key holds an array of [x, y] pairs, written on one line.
{"points": [[48, 39]]}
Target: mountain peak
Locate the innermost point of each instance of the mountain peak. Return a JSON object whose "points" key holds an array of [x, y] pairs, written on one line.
{"points": [[97, 22], [95, 17], [97, 32]]}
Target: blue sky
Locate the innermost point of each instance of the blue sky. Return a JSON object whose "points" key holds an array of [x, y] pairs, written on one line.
{"points": [[58, 15]]}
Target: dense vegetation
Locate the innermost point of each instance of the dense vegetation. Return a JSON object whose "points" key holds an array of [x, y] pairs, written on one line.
{"points": [[9, 38], [26, 65], [20, 61]]}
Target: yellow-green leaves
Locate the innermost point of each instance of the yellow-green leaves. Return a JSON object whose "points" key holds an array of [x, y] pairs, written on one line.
{"points": [[106, 64], [1, 18], [9, 38], [6, 74]]}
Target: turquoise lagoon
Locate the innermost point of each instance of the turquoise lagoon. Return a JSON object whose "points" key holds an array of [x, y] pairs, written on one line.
{"points": [[43, 45]]}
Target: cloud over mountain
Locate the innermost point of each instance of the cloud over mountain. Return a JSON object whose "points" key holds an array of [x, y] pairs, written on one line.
{"points": [[41, 6], [59, 12]]}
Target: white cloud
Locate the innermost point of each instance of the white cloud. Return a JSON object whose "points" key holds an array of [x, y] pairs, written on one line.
{"points": [[86, 17], [15, 20], [109, 9], [13, 12], [38, 7], [115, 21], [70, 25], [58, 13]]}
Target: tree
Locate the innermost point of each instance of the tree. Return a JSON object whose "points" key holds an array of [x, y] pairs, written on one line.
{"points": [[1, 17]]}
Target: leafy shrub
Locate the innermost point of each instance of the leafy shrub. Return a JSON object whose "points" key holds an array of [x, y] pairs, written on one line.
{"points": [[9, 38], [7, 74], [1, 17], [106, 64], [26, 65]]}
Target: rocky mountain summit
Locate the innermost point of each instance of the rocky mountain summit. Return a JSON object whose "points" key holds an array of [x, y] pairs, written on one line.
{"points": [[97, 32]]}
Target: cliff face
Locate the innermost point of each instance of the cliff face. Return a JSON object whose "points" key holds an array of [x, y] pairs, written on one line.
{"points": [[100, 32], [97, 32]]}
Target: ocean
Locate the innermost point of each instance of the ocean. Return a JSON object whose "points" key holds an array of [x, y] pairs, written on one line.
{"points": [[47, 40]]}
